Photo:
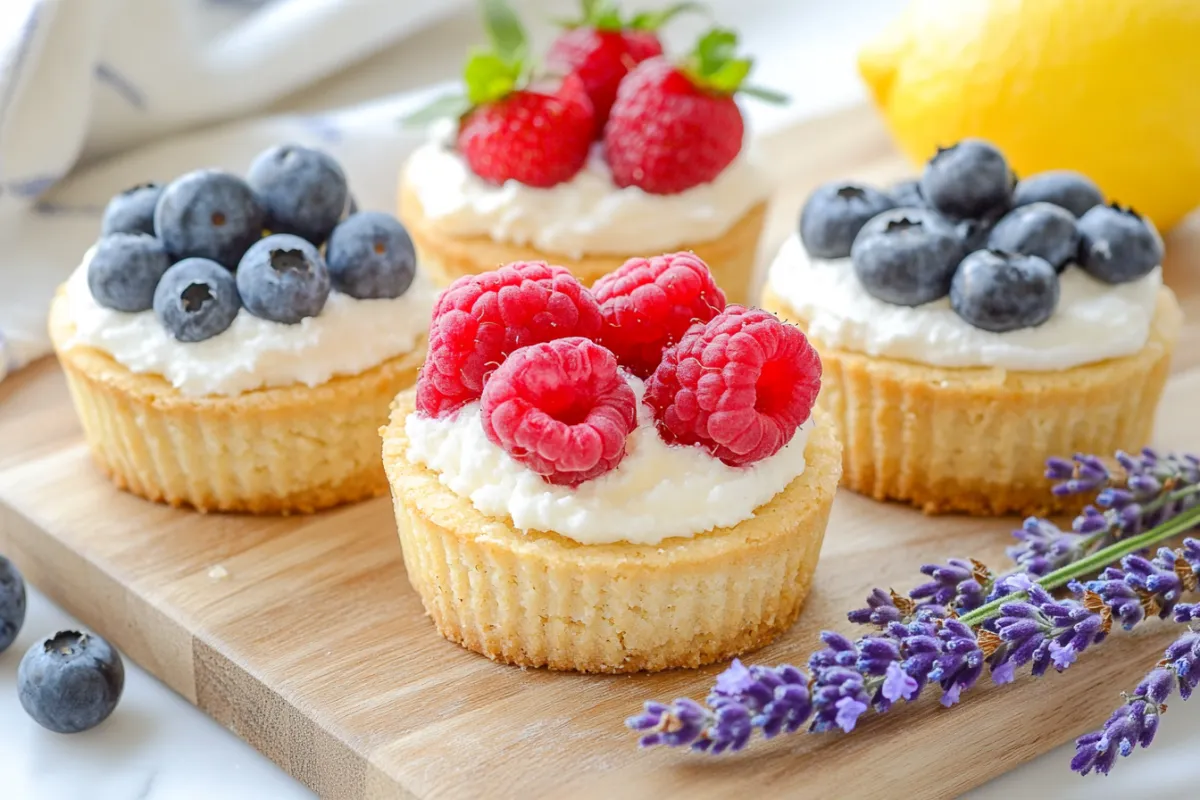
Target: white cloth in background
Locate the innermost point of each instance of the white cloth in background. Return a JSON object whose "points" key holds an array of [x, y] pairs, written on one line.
{"points": [[85, 79]]}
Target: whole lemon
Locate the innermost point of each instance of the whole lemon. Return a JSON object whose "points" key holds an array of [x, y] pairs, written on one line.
{"points": [[1106, 87]]}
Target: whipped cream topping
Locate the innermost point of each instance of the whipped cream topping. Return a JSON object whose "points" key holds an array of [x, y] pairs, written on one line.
{"points": [[1094, 321], [349, 336], [658, 491], [588, 214]]}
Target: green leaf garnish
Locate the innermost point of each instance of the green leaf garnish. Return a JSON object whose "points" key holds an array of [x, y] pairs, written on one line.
{"points": [[452, 106], [489, 77], [715, 66], [766, 95], [504, 29], [653, 20], [605, 15]]}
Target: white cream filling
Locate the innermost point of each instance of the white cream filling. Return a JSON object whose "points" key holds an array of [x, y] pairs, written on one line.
{"points": [[349, 336], [657, 492], [1094, 321]]}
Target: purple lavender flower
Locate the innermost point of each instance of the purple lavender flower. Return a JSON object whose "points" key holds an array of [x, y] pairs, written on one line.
{"points": [[897, 684], [960, 663], [882, 608], [1047, 632], [677, 725], [958, 584], [1136, 722], [838, 652], [776, 699], [1142, 587], [1044, 547], [1083, 475], [839, 699]]}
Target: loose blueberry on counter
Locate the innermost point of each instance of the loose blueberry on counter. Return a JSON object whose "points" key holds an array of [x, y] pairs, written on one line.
{"points": [[124, 270], [999, 292], [906, 256], [132, 211], [70, 682], [1038, 229], [835, 213], [1117, 244], [907, 193], [969, 180], [12, 603], [196, 299], [208, 214], [1062, 187], [303, 191], [283, 278], [371, 255]]}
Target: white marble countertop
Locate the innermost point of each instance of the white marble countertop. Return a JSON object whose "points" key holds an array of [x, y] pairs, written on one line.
{"points": [[157, 747]]}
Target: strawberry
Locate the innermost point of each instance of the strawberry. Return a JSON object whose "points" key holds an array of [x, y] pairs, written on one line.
{"points": [[512, 124], [673, 126], [602, 47]]}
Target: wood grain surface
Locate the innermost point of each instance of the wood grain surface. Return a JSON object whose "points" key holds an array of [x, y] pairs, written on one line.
{"points": [[302, 636]]}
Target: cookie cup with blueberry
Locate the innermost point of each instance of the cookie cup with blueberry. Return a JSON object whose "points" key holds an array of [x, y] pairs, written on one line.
{"points": [[558, 510], [969, 332], [535, 170], [214, 367]]}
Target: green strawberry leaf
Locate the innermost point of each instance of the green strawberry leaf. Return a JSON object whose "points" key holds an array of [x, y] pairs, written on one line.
{"points": [[489, 77], [653, 20], [504, 29], [715, 66], [453, 106], [766, 95]]}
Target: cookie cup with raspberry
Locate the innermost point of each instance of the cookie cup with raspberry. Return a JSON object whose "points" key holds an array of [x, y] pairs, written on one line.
{"points": [[576, 517], [527, 173]]}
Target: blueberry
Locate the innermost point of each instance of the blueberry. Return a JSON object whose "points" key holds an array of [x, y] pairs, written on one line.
{"points": [[1000, 292], [303, 191], [208, 214], [196, 299], [906, 256], [370, 255], [973, 233], [132, 211], [1063, 187], [284, 279], [835, 213], [969, 180], [12, 603], [124, 270], [1117, 244], [907, 194], [71, 682], [1038, 229]]}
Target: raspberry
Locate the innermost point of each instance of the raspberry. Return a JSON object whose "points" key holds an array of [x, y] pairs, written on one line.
{"points": [[649, 303], [560, 408], [479, 319], [738, 385], [666, 134], [536, 138], [601, 58]]}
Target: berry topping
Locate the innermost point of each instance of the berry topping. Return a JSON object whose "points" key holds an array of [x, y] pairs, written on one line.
{"points": [[132, 211], [124, 270], [1001, 292], [907, 256], [968, 180], [835, 213], [560, 408], [1038, 229], [907, 193], [370, 255], [674, 127], [1064, 188], [1117, 244], [196, 299], [12, 603], [602, 47], [283, 278], [649, 303], [973, 233], [208, 214], [739, 386], [302, 191], [70, 682], [480, 319]]}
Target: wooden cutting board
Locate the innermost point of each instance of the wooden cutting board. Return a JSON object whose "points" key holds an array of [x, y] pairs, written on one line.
{"points": [[302, 636]]}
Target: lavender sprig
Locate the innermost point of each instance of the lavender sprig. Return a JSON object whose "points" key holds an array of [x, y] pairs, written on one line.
{"points": [[965, 620]]}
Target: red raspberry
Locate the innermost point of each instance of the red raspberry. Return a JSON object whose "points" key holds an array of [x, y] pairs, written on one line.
{"points": [[532, 137], [649, 303], [738, 385], [479, 319], [601, 58], [560, 408], [666, 134]]}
